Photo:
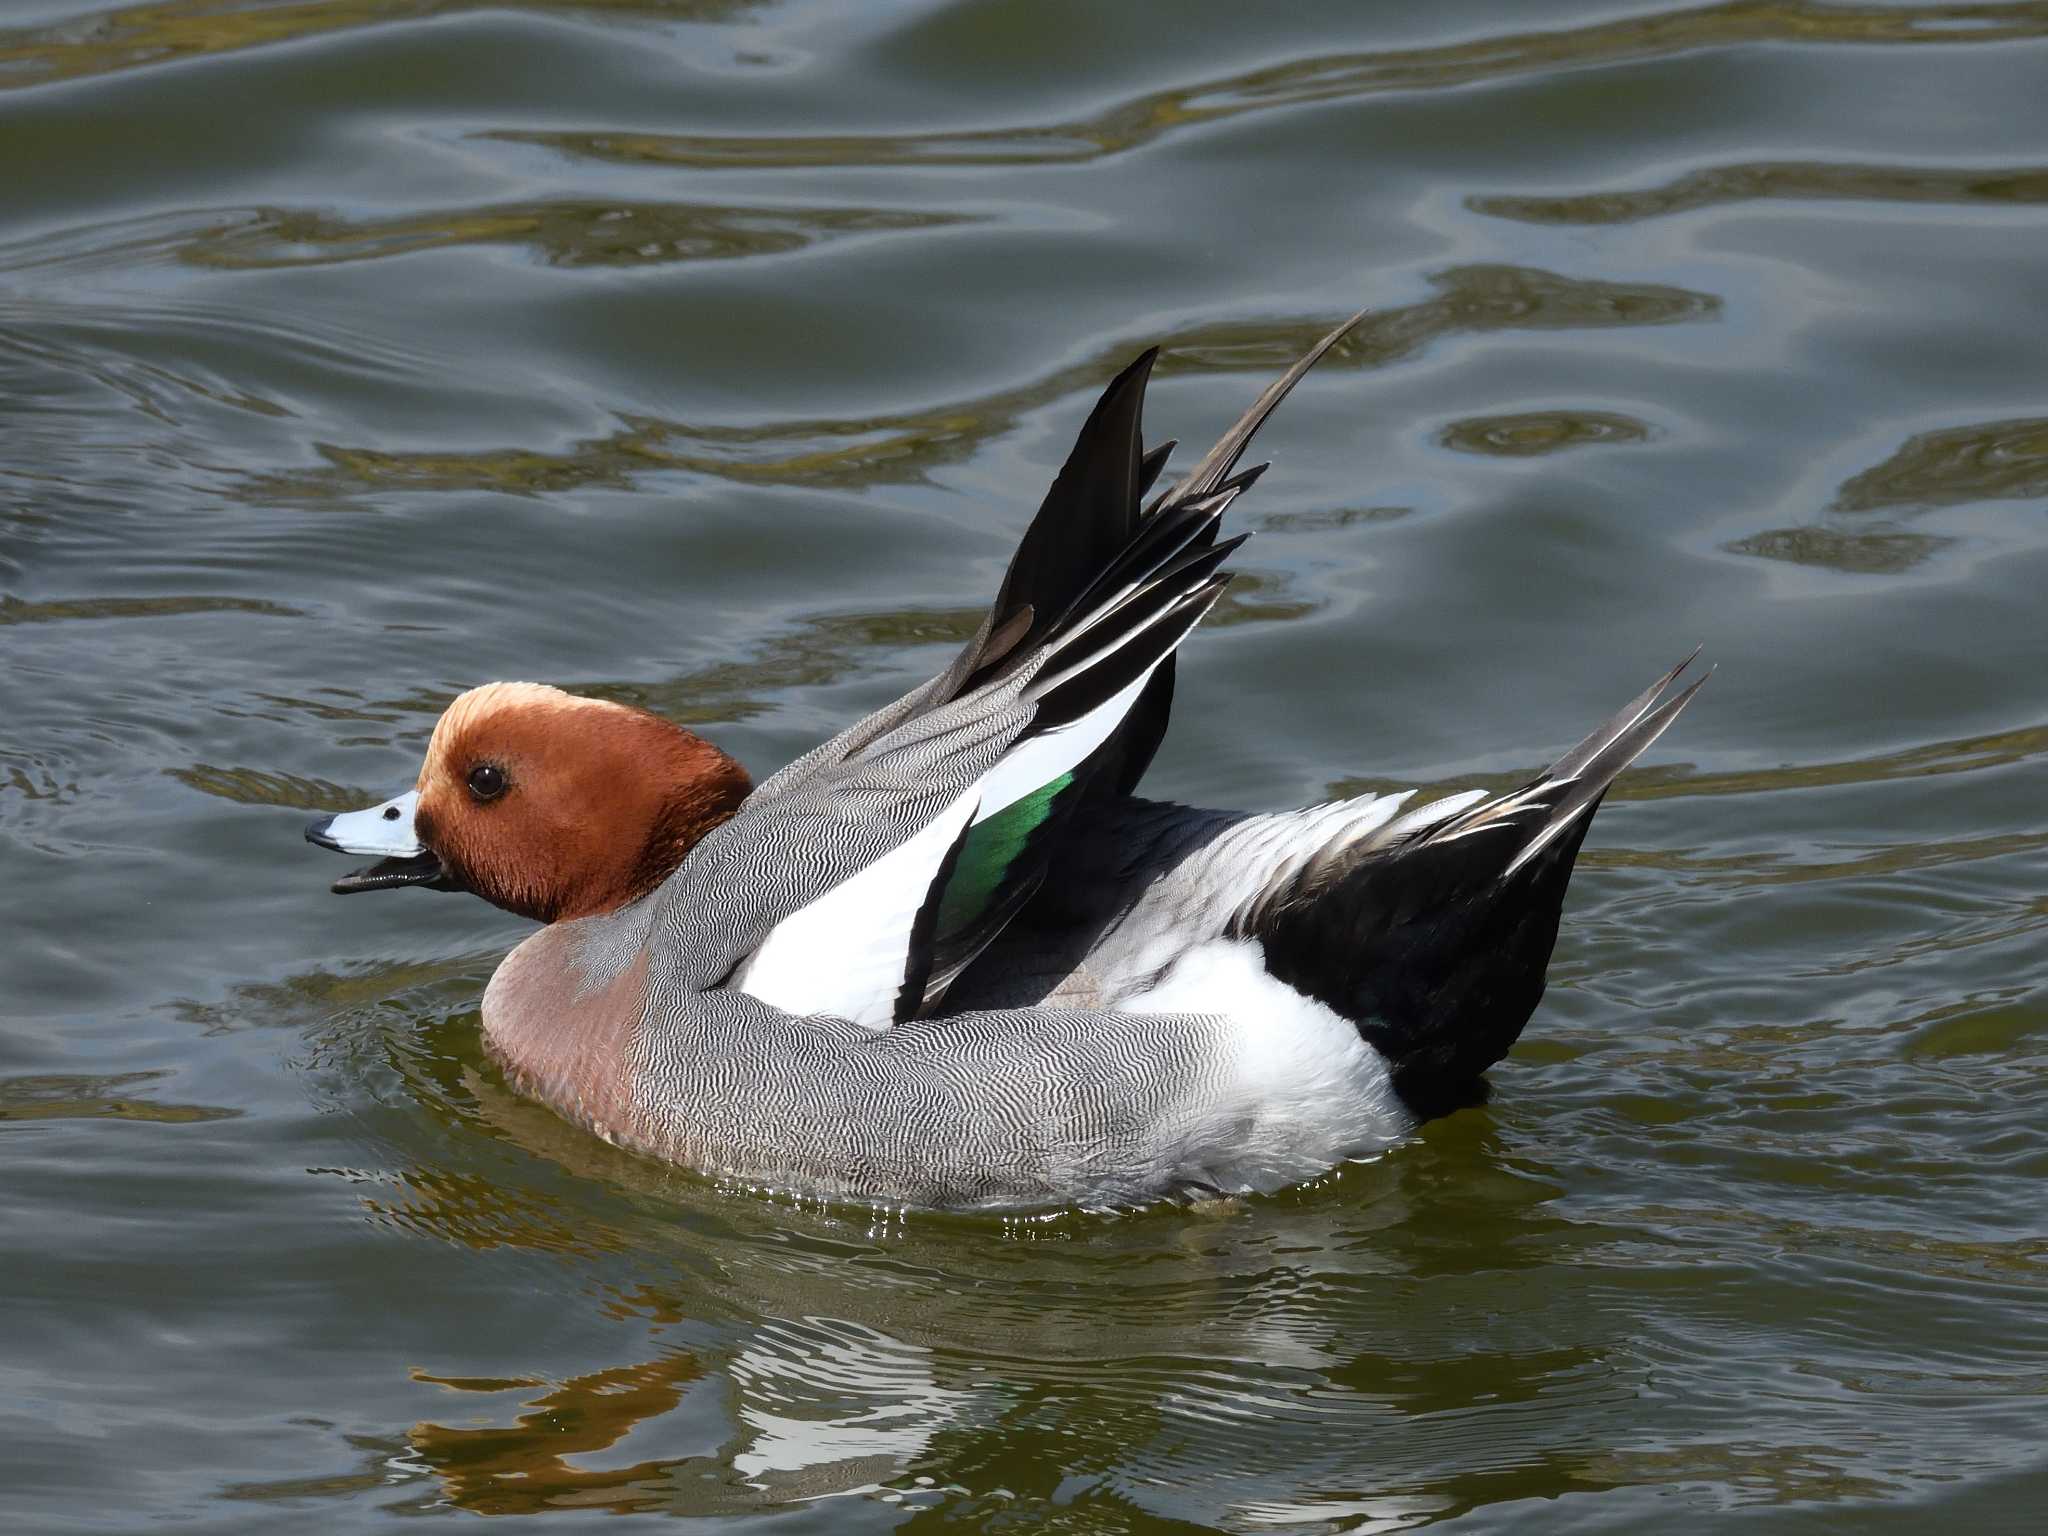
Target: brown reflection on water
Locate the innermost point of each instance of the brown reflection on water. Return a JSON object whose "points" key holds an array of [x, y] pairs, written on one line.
{"points": [[905, 448], [563, 234], [1965, 754], [536, 1463], [1766, 869], [1986, 461], [1751, 1473], [525, 1467], [1255, 597], [1129, 124], [1803, 180], [808, 1424], [16, 610], [1954, 466], [255, 786], [1864, 552], [1980, 1026], [162, 31], [110, 1097], [1530, 433], [315, 1000], [165, 31], [480, 1213], [816, 1406]]}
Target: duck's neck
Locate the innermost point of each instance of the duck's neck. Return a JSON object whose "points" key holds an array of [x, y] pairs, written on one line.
{"points": [[689, 787]]}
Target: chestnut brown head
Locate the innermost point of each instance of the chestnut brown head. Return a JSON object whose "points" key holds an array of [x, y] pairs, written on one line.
{"points": [[545, 804]]}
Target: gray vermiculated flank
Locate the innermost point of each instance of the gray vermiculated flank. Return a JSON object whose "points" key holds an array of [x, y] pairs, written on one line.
{"points": [[1026, 1107]]}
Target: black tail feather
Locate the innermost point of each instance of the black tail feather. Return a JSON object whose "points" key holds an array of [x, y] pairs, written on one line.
{"points": [[1435, 944], [1610, 729]]}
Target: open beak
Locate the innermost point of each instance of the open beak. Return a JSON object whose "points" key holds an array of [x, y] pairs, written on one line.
{"points": [[386, 833]]}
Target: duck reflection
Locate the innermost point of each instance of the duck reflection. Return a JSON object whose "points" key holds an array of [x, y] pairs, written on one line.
{"points": [[543, 1459], [1335, 1354], [803, 1410]]}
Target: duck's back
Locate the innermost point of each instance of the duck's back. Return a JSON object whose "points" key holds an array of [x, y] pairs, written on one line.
{"points": [[1427, 931]]}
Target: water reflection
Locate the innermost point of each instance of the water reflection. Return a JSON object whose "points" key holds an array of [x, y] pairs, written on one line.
{"points": [[563, 234], [1332, 517], [113, 1096], [1794, 180], [1987, 461], [15, 610], [1530, 433], [537, 1462], [1965, 754], [579, 1443], [166, 31], [1143, 119], [906, 447], [805, 1403], [1953, 466], [162, 31], [257, 786], [1860, 552], [1240, 1355], [812, 652]]}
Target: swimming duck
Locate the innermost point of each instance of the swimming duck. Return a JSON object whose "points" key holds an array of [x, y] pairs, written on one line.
{"points": [[948, 958]]}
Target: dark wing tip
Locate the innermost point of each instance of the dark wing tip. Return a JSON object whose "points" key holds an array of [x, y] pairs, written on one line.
{"points": [[1153, 462], [1219, 460]]}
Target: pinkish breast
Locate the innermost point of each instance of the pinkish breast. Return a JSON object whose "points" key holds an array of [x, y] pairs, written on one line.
{"points": [[565, 1037]]}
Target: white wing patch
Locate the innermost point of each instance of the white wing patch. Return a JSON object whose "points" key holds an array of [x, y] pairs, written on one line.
{"points": [[1037, 760], [845, 954]]}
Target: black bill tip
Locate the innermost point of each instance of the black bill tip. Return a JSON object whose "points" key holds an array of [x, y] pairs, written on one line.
{"points": [[422, 868], [387, 874]]}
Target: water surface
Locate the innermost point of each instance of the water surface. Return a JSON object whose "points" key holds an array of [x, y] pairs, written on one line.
{"points": [[710, 356]]}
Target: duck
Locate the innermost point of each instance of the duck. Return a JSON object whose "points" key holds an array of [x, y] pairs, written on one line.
{"points": [[950, 958]]}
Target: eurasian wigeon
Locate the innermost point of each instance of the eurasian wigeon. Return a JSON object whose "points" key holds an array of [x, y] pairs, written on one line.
{"points": [[948, 959]]}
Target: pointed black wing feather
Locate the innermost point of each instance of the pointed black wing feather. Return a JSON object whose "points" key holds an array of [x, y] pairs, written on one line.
{"points": [[1087, 517], [1153, 462], [1089, 546], [1217, 463]]}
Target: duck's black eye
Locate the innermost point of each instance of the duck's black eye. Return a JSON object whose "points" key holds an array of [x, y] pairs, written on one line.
{"points": [[487, 781]]}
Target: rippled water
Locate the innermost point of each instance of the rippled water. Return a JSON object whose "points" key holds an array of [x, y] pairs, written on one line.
{"points": [[710, 355]]}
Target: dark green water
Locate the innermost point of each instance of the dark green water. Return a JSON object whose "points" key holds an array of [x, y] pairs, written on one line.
{"points": [[710, 355]]}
